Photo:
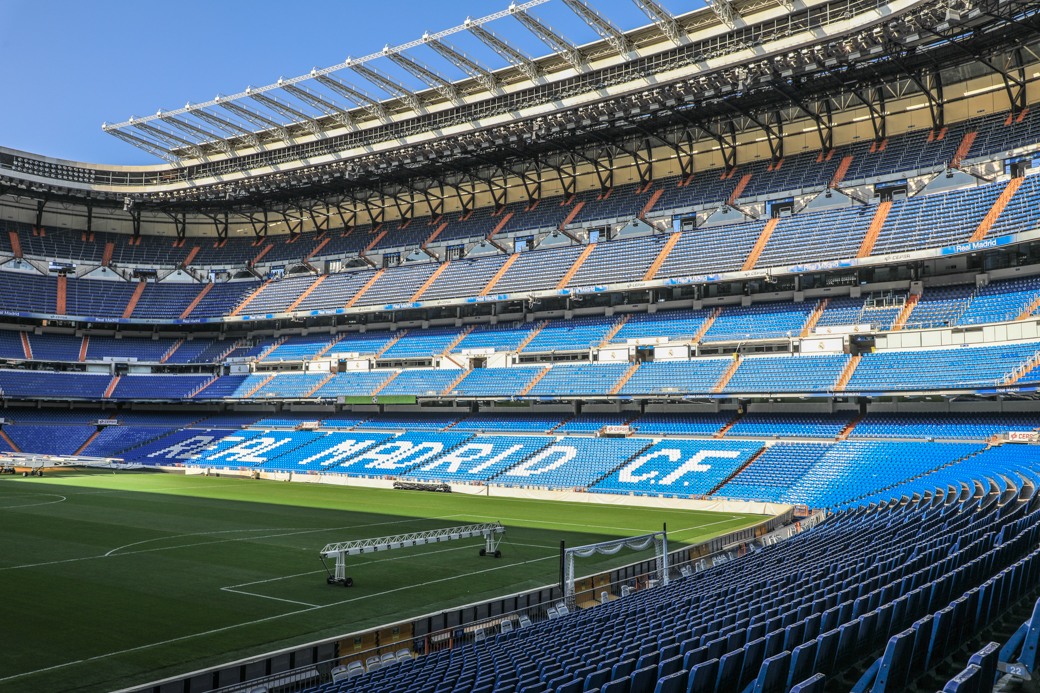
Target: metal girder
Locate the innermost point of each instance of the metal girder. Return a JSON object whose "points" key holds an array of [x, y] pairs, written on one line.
{"points": [[727, 15], [471, 66], [141, 143], [287, 111], [387, 84], [203, 135], [424, 73], [358, 96], [323, 104], [602, 26], [875, 103], [169, 138], [498, 44], [663, 19], [256, 118], [549, 37], [228, 126]]}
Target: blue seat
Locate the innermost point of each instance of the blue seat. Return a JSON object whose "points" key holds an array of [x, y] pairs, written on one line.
{"points": [[673, 683], [620, 685], [966, 681], [576, 686], [669, 667], [643, 680], [772, 676], [730, 667], [597, 679], [812, 685], [889, 672], [803, 658], [702, 677]]}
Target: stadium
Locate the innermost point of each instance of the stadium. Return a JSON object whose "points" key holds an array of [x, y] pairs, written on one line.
{"points": [[698, 355]]}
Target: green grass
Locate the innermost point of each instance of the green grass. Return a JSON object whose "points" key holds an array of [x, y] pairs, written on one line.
{"points": [[111, 580]]}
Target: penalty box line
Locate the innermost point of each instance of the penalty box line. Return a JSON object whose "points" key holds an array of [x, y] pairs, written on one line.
{"points": [[232, 588], [268, 618]]}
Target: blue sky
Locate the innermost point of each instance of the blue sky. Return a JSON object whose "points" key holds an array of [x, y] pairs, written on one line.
{"points": [[71, 65]]}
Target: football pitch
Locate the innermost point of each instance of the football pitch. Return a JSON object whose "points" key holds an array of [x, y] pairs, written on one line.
{"points": [[113, 580]]}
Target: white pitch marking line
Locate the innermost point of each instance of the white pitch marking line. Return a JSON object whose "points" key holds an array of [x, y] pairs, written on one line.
{"points": [[32, 505], [269, 618], [223, 541], [265, 596]]}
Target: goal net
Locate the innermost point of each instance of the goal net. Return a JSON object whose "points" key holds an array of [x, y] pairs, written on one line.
{"points": [[658, 541]]}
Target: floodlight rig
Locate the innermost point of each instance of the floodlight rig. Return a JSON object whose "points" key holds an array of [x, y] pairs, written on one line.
{"points": [[491, 532]]}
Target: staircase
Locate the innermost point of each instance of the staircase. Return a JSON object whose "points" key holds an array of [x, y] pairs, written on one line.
{"points": [[455, 383], [317, 248], [457, 340], [846, 375], [499, 274], [847, 431], [368, 285], [60, 299], [661, 257], [1030, 309], [839, 174], [83, 348], [534, 381], [614, 330], [876, 224], [306, 292], [111, 386], [706, 325], [737, 471], [10, 442], [191, 256], [724, 380], [310, 393], [650, 203], [963, 149], [434, 235], [16, 245], [267, 352], [760, 245], [172, 349], [1016, 375], [531, 335], [203, 386], [500, 225], [814, 318], [576, 266], [249, 298], [739, 190], [110, 248], [378, 238], [385, 383], [570, 215], [26, 347], [259, 386], [335, 340], [904, 314], [263, 251], [132, 303], [87, 442], [429, 281], [196, 301], [725, 429], [395, 340], [995, 211], [624, 379]]}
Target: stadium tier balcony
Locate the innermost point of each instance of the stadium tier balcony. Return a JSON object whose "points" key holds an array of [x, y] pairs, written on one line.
{"points": [[968, 366], [671, 325], [421, 382], [946, 426], [940, 307], [759, 321], [300, 348], [510, 423], [423, 343], [99, 348], [466, 277], [408, 422], [500, 337], [577, 334], [1001, 300], [586, 379], [495, 382], [616, 261], [353, 384], [397, 284], [676, 377], [53, 385], [278, 295], [114, 441], [680, 424], [791, 425], [799, 373], [223, 298], [591, 423]]}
